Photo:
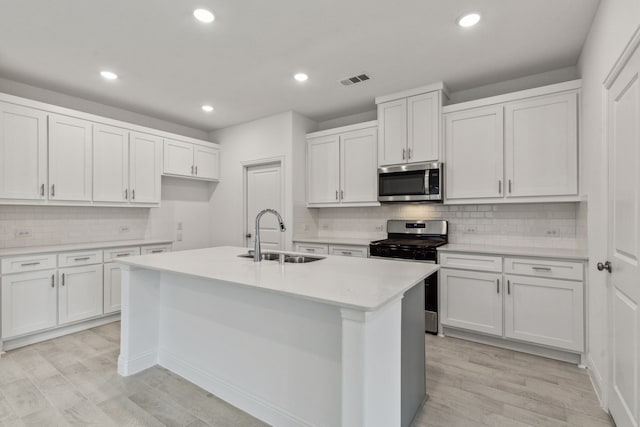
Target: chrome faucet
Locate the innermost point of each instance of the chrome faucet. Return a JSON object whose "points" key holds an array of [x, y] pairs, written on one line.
{"points": [[257, 255]]}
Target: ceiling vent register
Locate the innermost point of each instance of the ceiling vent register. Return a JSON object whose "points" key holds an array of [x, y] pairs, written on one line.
{"points": [[355, 79]]}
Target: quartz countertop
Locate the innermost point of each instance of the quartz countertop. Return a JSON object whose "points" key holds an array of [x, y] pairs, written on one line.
{"points": [[355, 241], [80, 247], [363, 284], [573, 254]]}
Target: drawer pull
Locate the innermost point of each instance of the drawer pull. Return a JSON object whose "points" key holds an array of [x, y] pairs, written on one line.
{"points": [[310, 249], [346, 253], [542, 269], [121, 255], [28, 264], [157, 251], [84, 258]]}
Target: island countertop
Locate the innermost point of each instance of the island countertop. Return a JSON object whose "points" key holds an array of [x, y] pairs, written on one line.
{"points": [[357, 283]]}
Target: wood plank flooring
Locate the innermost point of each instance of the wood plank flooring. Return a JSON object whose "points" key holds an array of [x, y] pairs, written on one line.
{"points": [[73, 381]]}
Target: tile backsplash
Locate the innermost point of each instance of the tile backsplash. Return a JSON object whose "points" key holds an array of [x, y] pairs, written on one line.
{"points": [[55, 225], [535, 225]]}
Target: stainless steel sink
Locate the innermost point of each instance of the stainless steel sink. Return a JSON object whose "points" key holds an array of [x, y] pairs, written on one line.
{"points": [[294, 259]]}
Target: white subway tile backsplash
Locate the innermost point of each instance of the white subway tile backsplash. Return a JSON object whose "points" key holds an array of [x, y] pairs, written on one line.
{"points": [[535, 225]]}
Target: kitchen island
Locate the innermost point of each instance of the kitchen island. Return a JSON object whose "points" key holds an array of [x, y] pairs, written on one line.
{"points": [[334, 342]]}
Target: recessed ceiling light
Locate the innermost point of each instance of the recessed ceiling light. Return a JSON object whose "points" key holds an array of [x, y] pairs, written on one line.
{"points": [[207, 108], [301, 77], [204, 15], [469, 20], [109, 75]]}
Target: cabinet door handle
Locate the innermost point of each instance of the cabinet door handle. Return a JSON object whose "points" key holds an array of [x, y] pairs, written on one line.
{"points": [[42, 190], [123, 254], [84, 258], [157, 251], [341, 194], [409, 154], [192, 169], [509, 186], [28, 264], [336, 194], [404, 154], [133, 194], [62, 279], [126, 194], [196, 170], [497, 286], [499, 186], [509, 287], [53, 190], [53, 280]]}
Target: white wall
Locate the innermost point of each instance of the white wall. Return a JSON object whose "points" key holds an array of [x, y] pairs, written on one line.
{"points": [[612, 28], [266, 138], [350, 119]]}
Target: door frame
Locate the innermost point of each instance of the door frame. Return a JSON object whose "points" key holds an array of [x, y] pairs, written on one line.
{"points": [[246, 165], [614, 73]]}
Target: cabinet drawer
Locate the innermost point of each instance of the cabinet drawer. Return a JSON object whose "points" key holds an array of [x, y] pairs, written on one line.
{"points": [[343, 250], [26, 263], [115, 253], [312, 248], [471, 262], [157, 249], [69, 259], [544, 268]]}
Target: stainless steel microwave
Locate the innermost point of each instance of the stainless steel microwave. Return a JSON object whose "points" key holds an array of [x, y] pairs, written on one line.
{"points": [[417, 182]]}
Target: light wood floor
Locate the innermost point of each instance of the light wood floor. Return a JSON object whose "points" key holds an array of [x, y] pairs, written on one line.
{"points": [[73, 381]]}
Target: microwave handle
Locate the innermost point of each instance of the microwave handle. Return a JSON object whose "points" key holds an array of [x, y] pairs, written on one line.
{"points": [[440, 176]]}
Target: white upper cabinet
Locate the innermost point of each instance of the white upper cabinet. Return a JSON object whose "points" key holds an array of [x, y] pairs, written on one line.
{"points": [[423, 127], [70, 159], [473, 143], [110, 164], [323, 169], [514, 148], [191, 160], [178, 158], [144, 168], [541, 146], [392, 117], [207, 162], [23, 153], [358, 166], [342, 166], [409, 126]]}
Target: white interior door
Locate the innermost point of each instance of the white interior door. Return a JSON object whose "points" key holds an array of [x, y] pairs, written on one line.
{"points": [[264, 190], [624, 244]]}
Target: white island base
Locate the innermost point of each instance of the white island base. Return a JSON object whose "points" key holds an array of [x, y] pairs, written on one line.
{"points": [[288, 354]]}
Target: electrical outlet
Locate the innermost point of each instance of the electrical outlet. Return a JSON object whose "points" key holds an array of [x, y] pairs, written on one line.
{"points": [[179, 226], [552, 232], [179, 236], [470, 230], [380, 227], [124, 229], [23, 232]]}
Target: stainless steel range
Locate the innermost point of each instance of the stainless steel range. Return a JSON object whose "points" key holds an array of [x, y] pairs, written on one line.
{"points": [[416, 241]]}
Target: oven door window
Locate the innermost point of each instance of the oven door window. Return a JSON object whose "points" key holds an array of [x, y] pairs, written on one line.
{"points": [[402, 183]]}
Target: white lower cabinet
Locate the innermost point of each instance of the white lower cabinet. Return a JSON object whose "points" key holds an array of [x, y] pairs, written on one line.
{"points": [[29, 302], [359, 251], [112, 288], [543, 304], [544, 311], [79, 293], [471, 300]]}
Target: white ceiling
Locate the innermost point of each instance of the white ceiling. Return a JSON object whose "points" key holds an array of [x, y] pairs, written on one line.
{"points": [[243, 63]]}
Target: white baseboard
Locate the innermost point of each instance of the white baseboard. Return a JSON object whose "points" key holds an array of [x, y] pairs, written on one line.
{"points": [[597, 382], [13, 343], [139, 363], [236, 396], [564, 356]]}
